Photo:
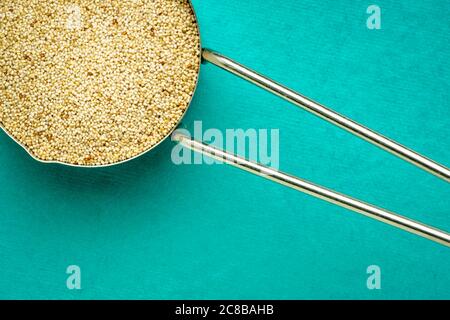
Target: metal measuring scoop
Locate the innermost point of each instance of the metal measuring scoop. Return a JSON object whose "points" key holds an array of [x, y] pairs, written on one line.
{"points": [[333, 117]]}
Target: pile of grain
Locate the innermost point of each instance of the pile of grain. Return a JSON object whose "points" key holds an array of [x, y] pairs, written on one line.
{"points": [[92, 82]]}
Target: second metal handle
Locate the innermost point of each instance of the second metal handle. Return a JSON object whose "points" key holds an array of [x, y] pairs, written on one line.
{"points": [[327, 114], [317, 191]]}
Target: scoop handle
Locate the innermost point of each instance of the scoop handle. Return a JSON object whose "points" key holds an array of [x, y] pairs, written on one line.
{"points": [[317, 191], [327, 114]]}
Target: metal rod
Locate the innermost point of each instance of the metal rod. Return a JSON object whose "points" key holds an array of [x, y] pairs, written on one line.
{"points": [[327, 114], [317, 191]]}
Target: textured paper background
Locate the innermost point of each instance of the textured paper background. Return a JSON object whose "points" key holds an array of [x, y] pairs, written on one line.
{"points": [[150, 229]]}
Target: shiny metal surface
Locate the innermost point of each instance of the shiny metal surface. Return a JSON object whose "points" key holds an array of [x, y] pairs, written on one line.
{"points": [[317, 191], [327, 114]]}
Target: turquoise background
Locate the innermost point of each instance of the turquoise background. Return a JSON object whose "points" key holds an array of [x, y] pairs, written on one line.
{"points": [[150, 229]]}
